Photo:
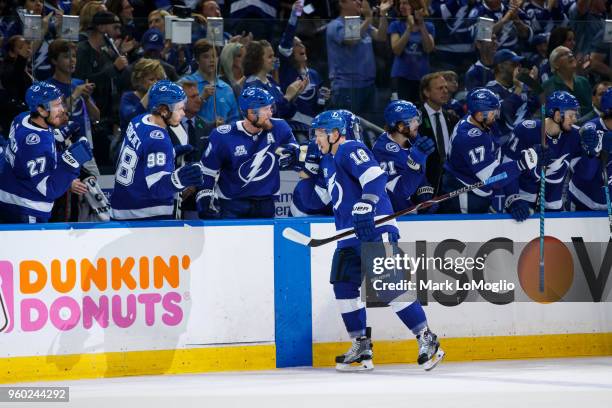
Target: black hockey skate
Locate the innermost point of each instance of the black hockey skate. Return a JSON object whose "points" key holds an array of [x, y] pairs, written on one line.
{"points": [[359, 356], [430, 353]]}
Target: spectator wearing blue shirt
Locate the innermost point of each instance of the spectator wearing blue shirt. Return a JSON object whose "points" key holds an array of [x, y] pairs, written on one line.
{"points": [[258, 65], [77, 93], [411, 41], [352, 68], [219, 103]]}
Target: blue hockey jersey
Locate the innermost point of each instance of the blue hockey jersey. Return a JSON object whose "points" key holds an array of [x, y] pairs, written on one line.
{"points": [[143, 186], [350, 173], [246, 164], [475, 155], [33, 173], [566, 152], [586, 184], [403, 180], [514, 108]]}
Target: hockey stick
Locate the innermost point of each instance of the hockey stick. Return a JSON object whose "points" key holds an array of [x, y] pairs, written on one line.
{"points": [[604, 169], [298, 237], [542, 200]]}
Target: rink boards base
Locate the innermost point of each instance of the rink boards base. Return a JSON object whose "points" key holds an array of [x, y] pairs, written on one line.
{"points": [[121, 299]]}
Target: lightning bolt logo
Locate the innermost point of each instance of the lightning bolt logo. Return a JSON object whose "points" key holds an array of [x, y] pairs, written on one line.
{"points": [[255, 166]]}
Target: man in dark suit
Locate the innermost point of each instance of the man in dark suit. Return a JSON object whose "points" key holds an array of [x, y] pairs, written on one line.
{"points": [[437, 124], [193, 131]]}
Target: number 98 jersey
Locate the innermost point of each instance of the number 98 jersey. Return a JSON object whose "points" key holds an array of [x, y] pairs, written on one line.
{"points": [[145, 161]]}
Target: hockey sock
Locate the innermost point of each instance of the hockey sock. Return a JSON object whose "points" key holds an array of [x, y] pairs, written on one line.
{"points": [[351, 308], [411, 314]]}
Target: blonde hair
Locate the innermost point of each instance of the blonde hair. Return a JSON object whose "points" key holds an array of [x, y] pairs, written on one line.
{"points": [[226, 61], [161, 12], [87, 12], [144, 67]]}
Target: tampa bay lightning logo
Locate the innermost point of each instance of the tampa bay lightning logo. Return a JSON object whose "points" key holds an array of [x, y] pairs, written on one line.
{"points": [[32, 139], [335, 191], [257, 167], [392, 147]]}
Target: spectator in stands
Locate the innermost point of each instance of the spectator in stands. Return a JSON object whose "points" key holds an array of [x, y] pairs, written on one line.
{"points": [[412, 40], [598, 90], [587, 19], [510, 21], [133, 103], [123, 9], [481, 72], [351, 64], [220, 104], [86, 17], [15, 76], [104, 71], [230, 66], [542, 15], [516, 103], [437, 123], [258, 65], [152, 44], [559, 36], [294, 67], [563, 65], [81, 107], [454, 39], [453, 105], [540, 44]]}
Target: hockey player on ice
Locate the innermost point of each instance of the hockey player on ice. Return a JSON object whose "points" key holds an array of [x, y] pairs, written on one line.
{"points": [[146, 182], [563, 148], [247, 156], [476, 156], [402, 154], [310, 196], [33, 174], [585, 188], [357, 186]]}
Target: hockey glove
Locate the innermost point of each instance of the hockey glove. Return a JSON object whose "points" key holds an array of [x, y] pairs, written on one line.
{"points": [[288, 156], [189, 175], [77, 154], [205, 203], [518, 208], [181, 150], [423, 194], [421, 148], [363, 219], [590, 140], [70, 131], [309, 158]]}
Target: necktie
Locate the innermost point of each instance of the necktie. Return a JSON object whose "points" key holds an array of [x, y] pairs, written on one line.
{"points": [[191, 132], [440, 136]]}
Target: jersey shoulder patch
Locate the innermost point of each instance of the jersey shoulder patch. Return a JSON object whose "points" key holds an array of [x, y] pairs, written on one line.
{"points": [[529, 124], [392, 147], [156, 134], [474, 132], [223, 129], [32, 139]]}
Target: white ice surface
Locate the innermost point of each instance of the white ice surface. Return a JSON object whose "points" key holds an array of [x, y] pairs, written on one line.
{"points": [[558, 383]]}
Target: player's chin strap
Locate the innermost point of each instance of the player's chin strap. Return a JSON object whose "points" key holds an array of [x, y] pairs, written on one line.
{"points": [[482, 124], [254, 123]]}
